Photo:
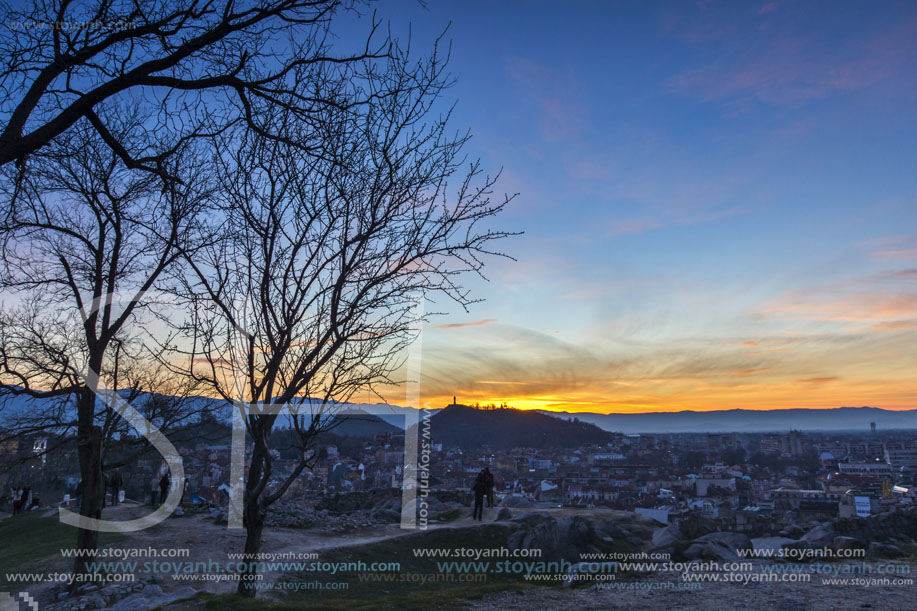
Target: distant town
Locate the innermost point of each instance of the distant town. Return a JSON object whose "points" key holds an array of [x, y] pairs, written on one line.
{"points": [[756, 483]]}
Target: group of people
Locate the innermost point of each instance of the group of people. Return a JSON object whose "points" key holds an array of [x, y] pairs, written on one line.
{"points": [[111, 482], [483, 486], [159, 488], [22, 499]]}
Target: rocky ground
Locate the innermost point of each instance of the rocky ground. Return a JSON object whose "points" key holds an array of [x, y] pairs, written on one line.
{"points": [[139, 596], [879, 536], [358, 523]]}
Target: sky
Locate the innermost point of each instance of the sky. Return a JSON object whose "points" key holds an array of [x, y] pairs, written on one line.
{"points": [[717, 200]]}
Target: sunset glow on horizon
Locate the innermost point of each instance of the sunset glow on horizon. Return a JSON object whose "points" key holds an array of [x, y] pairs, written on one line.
{"points": [[718, 202]]}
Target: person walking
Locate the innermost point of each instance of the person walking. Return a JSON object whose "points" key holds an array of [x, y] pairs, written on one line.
{"points": [[479, 489], [116, 482]]}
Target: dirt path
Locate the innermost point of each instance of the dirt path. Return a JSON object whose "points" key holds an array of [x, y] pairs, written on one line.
{"points": [[207, 541]]}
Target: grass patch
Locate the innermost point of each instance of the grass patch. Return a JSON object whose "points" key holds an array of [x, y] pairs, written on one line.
{"points": [[30, 542], [447, 516]]}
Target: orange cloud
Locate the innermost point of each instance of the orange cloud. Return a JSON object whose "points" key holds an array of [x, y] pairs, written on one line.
{"points": [[816, 380], [769, 344], [863, 308], [532, 370], [895, 325]]}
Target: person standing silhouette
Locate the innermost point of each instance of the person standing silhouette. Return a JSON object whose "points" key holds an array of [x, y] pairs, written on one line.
{"points": [[479, 489], [489, 486], [17, 500], [164, 484], [116, 482]]}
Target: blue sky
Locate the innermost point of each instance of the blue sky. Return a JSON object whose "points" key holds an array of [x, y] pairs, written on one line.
{"points": [[696, 180]]}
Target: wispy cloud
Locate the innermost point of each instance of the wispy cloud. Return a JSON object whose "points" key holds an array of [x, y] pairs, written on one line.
{"points": [[684, 218], [901, 274], [895, 325], [902, 247], [460, 325], [900, 253], [634, 227], [539, 370], [822, 380], [866, 308], [793, 66], [557, 95]]}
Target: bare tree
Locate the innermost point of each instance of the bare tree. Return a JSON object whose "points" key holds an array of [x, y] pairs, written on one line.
{"points": [[309, 295], [82, 249], [36, 338], [197, 66]]}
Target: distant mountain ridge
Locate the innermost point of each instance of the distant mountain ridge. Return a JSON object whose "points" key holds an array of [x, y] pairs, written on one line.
{"points": [[381, 417], [366, 418], [506, 428], [749, 421]]}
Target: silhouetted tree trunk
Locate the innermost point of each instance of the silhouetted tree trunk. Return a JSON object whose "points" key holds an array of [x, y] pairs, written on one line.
{"points": [[89, 451], [253, 519]]}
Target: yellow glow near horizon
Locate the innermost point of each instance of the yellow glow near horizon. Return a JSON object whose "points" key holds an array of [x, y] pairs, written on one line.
{"points": [[882, 396]]}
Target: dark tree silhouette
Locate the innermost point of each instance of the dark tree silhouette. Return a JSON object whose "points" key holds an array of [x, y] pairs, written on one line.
{"points": [[310, 294], [195, 67], [82, 248], [102, 104]]}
